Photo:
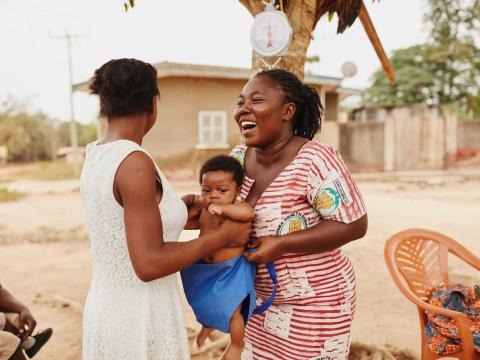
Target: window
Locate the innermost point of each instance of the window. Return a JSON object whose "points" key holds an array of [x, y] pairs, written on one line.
{"points": [[212, 130]]}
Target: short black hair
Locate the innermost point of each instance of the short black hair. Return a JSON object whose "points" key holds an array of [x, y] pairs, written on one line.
{"points": [[307, 120], [223, 163], [125, 87]]}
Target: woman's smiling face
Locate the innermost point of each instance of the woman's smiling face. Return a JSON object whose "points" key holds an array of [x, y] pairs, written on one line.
{"points": [[262, 114]]}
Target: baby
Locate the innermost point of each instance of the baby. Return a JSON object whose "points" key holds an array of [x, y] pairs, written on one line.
{"points": [[219, 287]]}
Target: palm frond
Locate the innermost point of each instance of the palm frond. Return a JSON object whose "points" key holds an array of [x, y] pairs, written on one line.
{"points": [[346, 10]]}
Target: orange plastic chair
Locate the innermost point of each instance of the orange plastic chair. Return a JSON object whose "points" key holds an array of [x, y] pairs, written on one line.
{"points": [[418, 261]]}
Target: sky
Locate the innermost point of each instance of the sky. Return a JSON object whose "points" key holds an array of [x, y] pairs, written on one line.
{"points": [[34, 62]]}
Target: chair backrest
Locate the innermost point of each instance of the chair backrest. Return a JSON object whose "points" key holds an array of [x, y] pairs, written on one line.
{"points": [[418, 258]]}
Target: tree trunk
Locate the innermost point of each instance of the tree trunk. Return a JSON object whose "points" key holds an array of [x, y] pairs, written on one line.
{"points": [[301, 15]]}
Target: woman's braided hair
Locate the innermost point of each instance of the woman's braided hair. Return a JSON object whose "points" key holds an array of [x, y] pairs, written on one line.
{"points": [[307, 119], [125, 87]]}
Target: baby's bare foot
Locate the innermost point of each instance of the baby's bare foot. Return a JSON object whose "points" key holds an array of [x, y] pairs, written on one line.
{"points": [[234, 352], [203, 335]]}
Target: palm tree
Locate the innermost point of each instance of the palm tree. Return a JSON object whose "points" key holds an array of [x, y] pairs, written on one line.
{"points": [[304, 15]]}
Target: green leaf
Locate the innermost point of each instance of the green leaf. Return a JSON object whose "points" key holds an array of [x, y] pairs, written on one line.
{"points": [[443, 70]]}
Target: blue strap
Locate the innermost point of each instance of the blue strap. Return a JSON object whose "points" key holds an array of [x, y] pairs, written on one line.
{"points": [[273, 275]]}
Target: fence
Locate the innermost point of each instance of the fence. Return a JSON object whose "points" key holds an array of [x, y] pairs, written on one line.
{"points": [[415, 137], [469, 134]]}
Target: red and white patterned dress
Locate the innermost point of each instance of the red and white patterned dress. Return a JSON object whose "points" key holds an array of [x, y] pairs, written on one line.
{"points": [[315, 302]]}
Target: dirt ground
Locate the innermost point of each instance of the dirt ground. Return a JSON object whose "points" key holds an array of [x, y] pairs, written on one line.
{"points": [[45, 255]]}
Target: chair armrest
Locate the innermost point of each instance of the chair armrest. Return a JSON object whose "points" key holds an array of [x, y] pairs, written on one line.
{"points": [[472, 260], [466, 255]]}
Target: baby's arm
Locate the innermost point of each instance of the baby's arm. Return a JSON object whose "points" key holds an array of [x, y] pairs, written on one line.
{"points": [[194, 207], [238, 211]]}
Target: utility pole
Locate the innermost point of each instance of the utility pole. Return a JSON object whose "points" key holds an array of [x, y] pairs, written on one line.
{"points": [[73, 127]]}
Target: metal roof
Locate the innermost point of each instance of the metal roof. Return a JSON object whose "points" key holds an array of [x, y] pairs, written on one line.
{"points": [[169, 69]]}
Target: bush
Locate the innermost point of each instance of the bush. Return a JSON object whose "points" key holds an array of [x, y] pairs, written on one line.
{"points": [[7, 195]]}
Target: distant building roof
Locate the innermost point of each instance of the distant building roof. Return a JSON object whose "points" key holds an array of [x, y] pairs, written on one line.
{"points": [[344, 92], [167, 69]]}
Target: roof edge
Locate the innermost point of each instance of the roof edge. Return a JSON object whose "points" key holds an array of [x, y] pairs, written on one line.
{"points": [[169, 69]]}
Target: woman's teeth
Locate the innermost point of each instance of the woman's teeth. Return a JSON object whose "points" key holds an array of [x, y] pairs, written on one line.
{"points": [[248, 125]]}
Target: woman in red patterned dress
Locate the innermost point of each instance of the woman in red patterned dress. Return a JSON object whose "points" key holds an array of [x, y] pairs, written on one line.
{"points": [[306, 207]]}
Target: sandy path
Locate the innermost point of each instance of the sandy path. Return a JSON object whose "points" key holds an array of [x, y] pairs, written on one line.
{"points": [[53, 276]]}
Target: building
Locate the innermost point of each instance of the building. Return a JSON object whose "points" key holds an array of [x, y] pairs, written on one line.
{"points": [[195, 113], [69, 153]]}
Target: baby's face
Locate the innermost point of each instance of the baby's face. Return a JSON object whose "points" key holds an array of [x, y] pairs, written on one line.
{"points": [[218, 187]]}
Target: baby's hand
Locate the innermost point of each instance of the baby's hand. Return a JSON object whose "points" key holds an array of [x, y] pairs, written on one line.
{"points": [[215, 209]]}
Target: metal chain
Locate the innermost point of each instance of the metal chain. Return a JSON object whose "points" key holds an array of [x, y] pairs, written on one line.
{"points": [[265, 63]]}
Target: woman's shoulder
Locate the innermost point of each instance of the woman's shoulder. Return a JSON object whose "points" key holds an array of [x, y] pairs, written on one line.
{"points": [[114, 152], [322, 156], [316, 146], [112, 146], [315, 150]]}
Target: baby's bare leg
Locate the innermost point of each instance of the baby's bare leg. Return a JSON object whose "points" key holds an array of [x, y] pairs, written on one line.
{"points": [[237, 332], [203, 335]]}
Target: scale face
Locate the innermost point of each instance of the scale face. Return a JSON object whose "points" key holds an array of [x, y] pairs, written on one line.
{"points": [[271, 33]]}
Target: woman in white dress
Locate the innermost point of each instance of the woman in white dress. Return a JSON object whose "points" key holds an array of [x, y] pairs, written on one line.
{"points": [[134, 218]]}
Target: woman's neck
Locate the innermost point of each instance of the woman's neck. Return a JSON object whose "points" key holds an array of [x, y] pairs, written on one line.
{"points": [[124, 128], [276, 151]]}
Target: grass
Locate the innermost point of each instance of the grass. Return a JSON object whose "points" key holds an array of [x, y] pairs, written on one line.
{"points": [[44, 170], [7, 195]]}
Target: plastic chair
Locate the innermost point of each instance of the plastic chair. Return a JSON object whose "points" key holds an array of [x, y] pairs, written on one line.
{"points": [[418, 261]]}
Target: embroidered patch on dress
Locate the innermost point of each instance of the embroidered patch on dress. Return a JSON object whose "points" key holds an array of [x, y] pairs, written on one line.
{"points": [[326, 201], [292, 223], [278, 319], [334, 181], [239, 154], [343, 191]]}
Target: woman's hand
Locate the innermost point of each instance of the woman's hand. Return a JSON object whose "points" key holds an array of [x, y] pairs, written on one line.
{"points": [[194, 205], [268, 249], [27, 323]]}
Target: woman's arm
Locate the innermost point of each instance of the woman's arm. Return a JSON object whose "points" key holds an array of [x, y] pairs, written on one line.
{"points": [[151, 256], [326, 235]]}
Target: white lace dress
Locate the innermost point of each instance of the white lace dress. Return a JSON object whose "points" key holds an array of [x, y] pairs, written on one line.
{"points": [[124, 317]]}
